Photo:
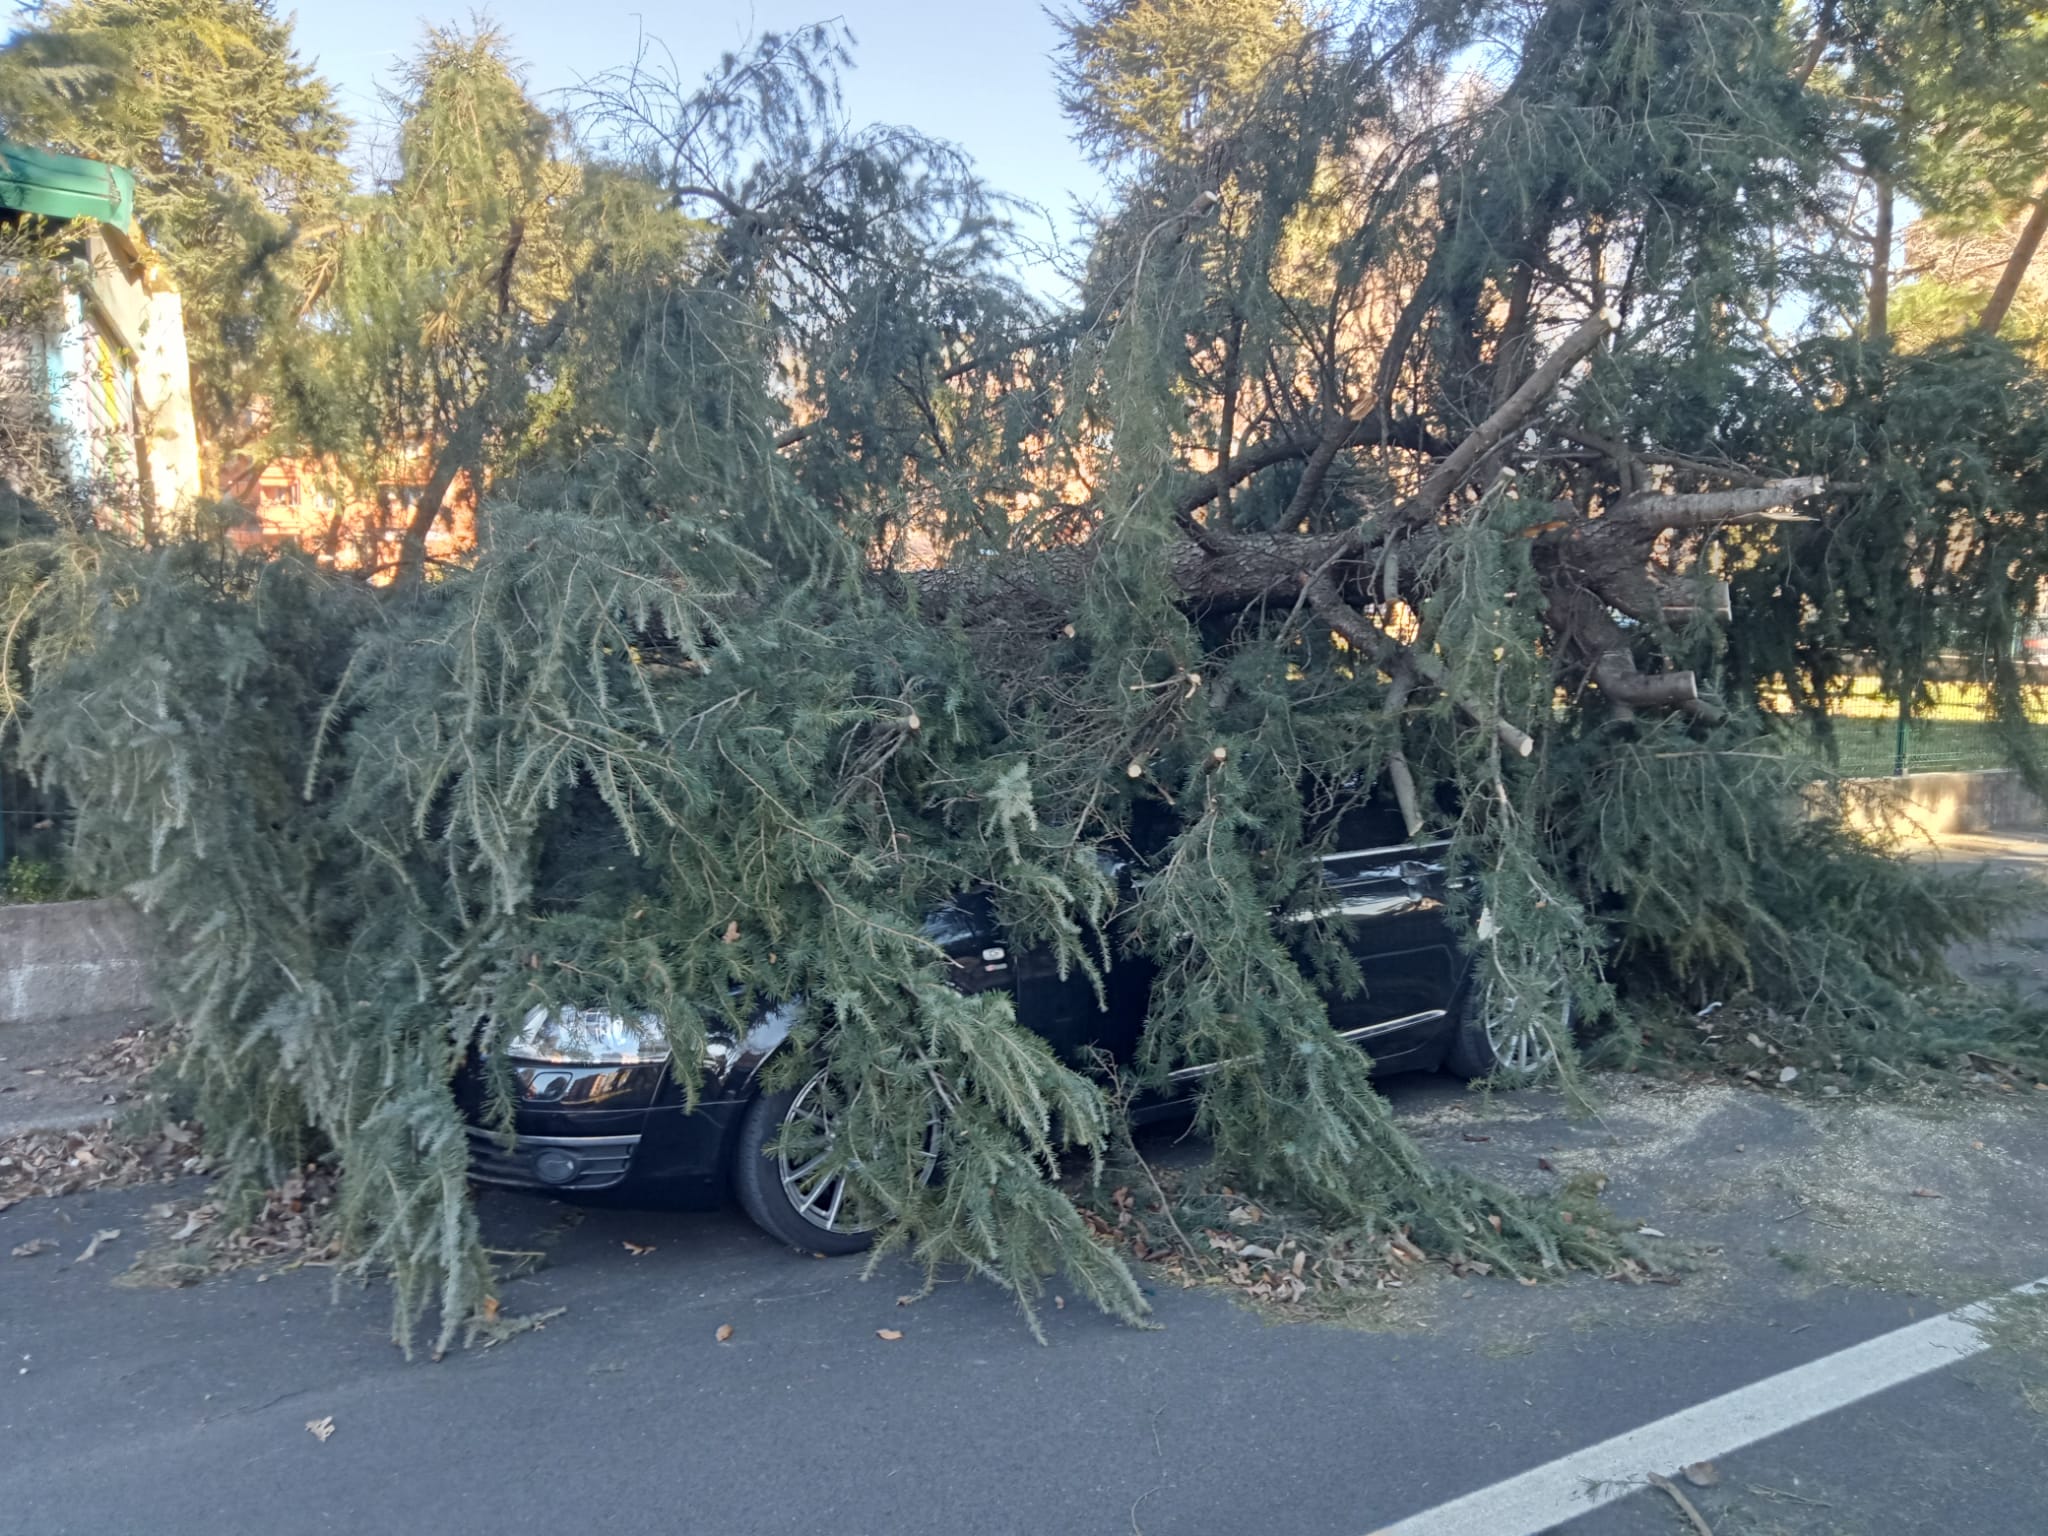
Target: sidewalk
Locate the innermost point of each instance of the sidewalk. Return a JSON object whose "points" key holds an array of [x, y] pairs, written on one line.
{"points": [[63, 1075], [2021, 957]]}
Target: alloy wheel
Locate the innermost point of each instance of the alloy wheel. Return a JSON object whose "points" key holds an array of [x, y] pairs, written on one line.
{"points": [[1523, 1028], [820, 1194]]}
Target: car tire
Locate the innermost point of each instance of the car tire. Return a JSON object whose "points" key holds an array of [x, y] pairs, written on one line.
{"points": [[809, 1217], [1495, 1038], [769, 1190]]}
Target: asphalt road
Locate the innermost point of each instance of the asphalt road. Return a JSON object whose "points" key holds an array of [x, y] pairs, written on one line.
{"points": [[171, 1411]]}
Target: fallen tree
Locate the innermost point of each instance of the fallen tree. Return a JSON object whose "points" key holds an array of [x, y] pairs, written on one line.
{"points": [[1403, 436]]}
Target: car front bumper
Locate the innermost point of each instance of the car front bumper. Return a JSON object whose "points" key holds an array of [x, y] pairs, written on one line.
{"points": [[664, 1154], [551, 1162]]}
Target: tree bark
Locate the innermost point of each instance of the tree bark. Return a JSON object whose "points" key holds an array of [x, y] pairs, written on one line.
{"points": [[1817, 45], [2016, 264], [464, 447], [1881, 263]]}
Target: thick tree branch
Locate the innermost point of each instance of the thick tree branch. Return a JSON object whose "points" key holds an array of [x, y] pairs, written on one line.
{"points": [[1368, 639], [1708, 509], [1341, 426], [1260, 456], [1525, 402], [727, 204], [2016, 264], [1817, 45], [463, 448], [1580, 618], [1399, 774], [1881, 262]]}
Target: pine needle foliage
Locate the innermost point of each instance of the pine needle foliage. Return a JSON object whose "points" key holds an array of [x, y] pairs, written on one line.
{"points": [[1408, 424]]}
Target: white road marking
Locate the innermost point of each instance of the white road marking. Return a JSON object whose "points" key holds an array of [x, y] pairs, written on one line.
{"points": [[1603, 1474]]}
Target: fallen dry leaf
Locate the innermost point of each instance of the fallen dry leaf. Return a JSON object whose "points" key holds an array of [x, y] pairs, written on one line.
{"points": [[104, 1235], [96, 1157], [638, 1250], [1702, 1474], [491, 1309], [1494, 1222], [32, 1247], [1926, 1194], [1059, 1303], [724, 1334], [320, 1429], [891, 1335]]}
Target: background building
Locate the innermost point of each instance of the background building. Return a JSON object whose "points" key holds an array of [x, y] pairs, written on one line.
{"points": [[99, 353]]}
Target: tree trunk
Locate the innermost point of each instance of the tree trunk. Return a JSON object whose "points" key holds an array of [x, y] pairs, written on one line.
{"points": [[464, 447], [1881, 263], [1817, 45], [2016, 264]]}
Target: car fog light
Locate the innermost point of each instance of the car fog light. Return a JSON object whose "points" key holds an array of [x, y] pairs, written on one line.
{"points": [[555, 1166]]}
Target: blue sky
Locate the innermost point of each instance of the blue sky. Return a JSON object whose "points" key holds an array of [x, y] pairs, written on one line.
{"points": [[979, 74]]}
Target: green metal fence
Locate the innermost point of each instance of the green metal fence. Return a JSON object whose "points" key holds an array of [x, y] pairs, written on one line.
{"points": [[1948, 730]]}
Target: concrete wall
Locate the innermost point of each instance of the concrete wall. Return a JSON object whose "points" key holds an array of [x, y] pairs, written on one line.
{"points": [[1984, 801], [72, 959]]}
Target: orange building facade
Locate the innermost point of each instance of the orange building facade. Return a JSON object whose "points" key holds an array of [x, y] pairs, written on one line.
{"points": [[343, 523]]}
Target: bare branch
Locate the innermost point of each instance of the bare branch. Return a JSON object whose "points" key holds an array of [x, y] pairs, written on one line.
{"points": [[1707, 509], [1524, 403], [1369, 639]]}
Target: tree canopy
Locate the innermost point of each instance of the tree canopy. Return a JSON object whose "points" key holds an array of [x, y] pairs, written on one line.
{"points": [[1479, 401]]}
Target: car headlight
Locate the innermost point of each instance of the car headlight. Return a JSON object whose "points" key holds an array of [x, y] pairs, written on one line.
{"points": [[589, 1036]]}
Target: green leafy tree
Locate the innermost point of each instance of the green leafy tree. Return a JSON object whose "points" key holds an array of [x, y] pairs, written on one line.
{"points": [[437, 302], [1936, 105], [1144, 77], [236, 148]]}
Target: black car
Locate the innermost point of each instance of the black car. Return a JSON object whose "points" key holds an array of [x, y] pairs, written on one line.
{"points": [[600, 1107]]}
